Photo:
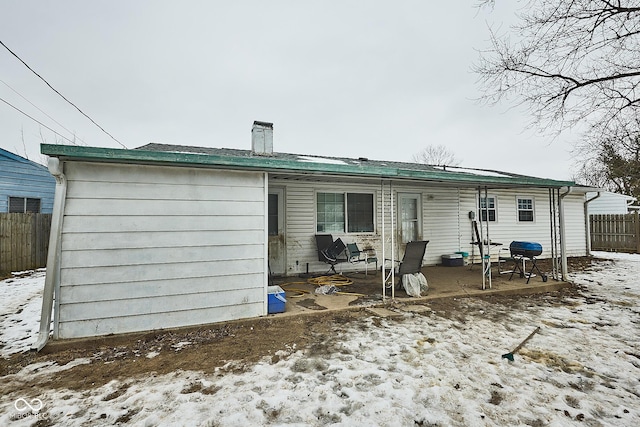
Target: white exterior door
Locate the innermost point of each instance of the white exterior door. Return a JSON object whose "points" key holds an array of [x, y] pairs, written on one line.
{"points": [[277, 247], [409, 217]]}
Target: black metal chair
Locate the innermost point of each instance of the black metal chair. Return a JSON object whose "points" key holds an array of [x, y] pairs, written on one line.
{"points": [[412, 260], [329, 251]]}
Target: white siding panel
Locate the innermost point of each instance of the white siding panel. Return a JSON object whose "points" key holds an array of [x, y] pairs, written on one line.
{"points": [[149, 305], [576, 231], [126, 290], [160, 239], [147, 207], [154, 191], [109, 173], [143, 272], [147, 247], [86, 328], [159, 255], [108, 224], [441, 223]]}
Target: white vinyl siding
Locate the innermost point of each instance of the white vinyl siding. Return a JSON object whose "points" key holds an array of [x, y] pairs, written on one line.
{"points": [[575, 225], [150, 247], [444, 216]]}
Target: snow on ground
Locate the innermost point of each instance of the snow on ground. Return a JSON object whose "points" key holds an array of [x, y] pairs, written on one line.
{"points": [[20, 307], [582, 368]]}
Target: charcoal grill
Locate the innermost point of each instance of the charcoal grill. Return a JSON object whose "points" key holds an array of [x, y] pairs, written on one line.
{"points": [[526, 250]]}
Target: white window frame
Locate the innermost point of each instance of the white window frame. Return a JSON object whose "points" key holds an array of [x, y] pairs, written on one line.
{"points": [[532, 210], [346, 208], [494, 209], [418, 198]]}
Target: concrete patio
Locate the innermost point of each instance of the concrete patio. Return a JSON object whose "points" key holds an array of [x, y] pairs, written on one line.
{"points": [[444, 282]]}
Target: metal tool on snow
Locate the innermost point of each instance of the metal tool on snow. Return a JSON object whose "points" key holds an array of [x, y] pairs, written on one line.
{"points": [[515, 350]]}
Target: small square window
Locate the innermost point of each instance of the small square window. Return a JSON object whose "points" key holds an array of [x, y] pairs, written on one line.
{"points": [[525, 210], [488, 207]]}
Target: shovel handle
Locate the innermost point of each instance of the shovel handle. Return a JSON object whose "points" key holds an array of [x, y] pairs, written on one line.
{"points": [[536, 330]]}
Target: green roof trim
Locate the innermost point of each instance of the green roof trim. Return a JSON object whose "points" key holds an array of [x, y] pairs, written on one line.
{"points": [[272, 164]]}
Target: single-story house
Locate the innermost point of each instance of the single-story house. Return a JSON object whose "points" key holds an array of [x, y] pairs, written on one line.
{"points": [[169, 236], [25, 186]]}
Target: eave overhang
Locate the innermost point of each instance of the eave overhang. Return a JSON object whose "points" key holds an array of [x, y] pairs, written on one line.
{"points": [[292, 167]]}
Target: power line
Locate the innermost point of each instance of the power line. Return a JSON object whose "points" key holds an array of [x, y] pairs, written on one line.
{"points": [[36, 120], [43, 112], [63, 97]]}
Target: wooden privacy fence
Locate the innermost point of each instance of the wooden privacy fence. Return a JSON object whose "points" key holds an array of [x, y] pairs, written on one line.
{"points": [[619, 233], [24, 240]]}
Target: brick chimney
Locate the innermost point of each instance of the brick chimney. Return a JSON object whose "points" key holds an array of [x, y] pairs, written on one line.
{"points": [[262, 138]]}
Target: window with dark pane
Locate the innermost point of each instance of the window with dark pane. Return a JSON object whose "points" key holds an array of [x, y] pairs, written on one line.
{"points": [[273, 214], [360, 212], [24, 205], [33, 206], [488, 206], [525, 210], [16, 204]]}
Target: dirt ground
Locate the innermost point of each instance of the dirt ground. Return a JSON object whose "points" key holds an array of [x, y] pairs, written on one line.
{"points": [[212, 347]]}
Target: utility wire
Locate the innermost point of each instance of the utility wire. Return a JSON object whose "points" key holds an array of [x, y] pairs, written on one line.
{"points": [[43, 112], [63, 97], [36, 120]]}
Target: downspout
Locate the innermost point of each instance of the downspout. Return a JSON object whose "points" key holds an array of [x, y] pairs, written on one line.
{"points": [[563, 234], [52, 279], [587, 222]]}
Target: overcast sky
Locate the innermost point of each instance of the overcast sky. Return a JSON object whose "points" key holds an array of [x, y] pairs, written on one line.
{"points": [[376, 79]]}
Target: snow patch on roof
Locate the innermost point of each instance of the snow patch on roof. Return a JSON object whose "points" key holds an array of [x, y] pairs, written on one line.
{"points": [[480, 172], [321, 160]]}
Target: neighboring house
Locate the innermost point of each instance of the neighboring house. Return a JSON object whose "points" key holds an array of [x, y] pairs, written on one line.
{"points": [[169, 236], [606, 202], [25, 186]]}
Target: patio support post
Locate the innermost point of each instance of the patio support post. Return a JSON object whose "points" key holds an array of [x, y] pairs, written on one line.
{"points": [[384, 271], [486, 257], [393, 244], [563, 240], [552, 229]]}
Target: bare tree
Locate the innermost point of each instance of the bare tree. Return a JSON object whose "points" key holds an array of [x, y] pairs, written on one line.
{"points": [[438, 155], [569, 62], [612, 162]]}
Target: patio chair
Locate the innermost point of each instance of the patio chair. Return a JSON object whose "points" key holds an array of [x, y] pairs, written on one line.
{"points": [[412, 260], [329, 251], [323, 241], [504, 258], [355, 255]]}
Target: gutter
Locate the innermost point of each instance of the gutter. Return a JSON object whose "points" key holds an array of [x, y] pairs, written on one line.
{"points": [[587, 224], [563, 239], [52, 279]]}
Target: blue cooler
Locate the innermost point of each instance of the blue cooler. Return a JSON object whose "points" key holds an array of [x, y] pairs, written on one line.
{"points": [[276, 300]]}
